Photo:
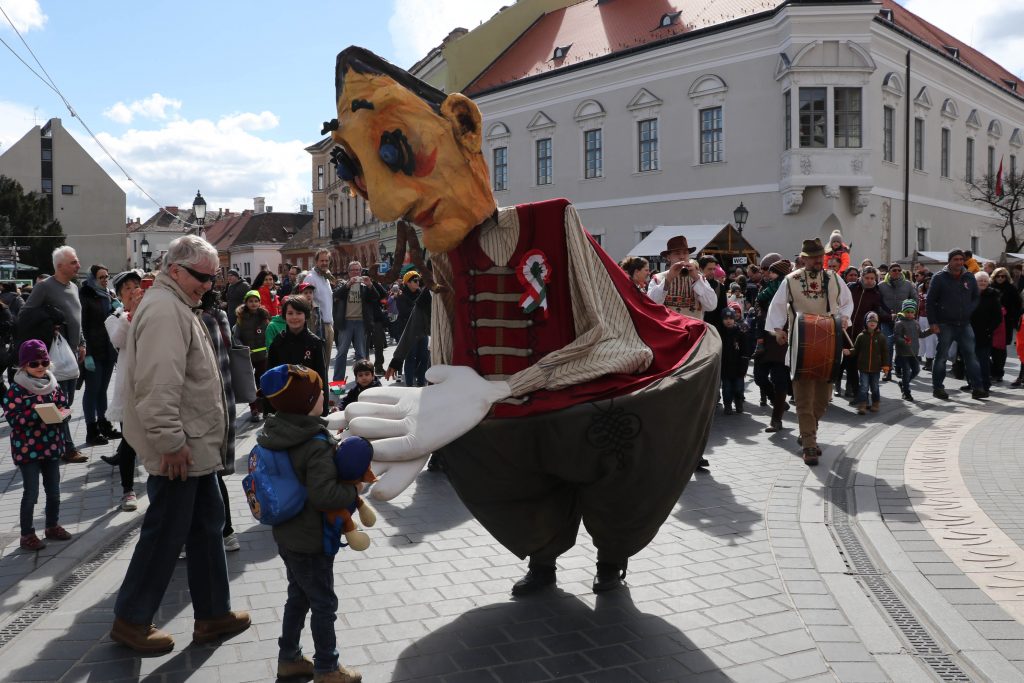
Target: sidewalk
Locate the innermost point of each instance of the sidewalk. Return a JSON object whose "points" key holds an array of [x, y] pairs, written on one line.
{"points": [[861, 569]]}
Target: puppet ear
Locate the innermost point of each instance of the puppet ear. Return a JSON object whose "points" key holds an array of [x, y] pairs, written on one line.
{"points": [[464, 117]]}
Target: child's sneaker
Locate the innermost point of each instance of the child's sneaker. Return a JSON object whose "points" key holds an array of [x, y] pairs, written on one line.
{"points": [[231, 543], [31, 542], [129, 503], [57, 533], [302, 666]]}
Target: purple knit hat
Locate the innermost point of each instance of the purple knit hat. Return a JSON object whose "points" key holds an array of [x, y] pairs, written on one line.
{"points": [[31, 350]]}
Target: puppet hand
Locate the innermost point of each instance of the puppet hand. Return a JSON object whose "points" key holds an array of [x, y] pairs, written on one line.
{"points": [[336, 421], [395, 477], [406, 423]]}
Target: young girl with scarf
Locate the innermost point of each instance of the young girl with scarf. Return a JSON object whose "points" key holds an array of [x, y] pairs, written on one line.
{"points": [[35, 445]]}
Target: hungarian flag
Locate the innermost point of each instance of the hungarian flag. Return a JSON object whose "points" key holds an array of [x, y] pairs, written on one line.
{"points": [[999, 180]]}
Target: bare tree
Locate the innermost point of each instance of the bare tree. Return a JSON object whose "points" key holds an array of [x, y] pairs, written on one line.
{"points": [[1009, 206]]}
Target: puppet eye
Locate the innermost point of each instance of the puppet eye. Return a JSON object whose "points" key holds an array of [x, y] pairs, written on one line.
{"points": [[389, 155], [396, 152]]}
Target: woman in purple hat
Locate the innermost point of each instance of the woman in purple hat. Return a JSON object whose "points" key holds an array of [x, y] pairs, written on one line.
{"points": [[36, 441]]}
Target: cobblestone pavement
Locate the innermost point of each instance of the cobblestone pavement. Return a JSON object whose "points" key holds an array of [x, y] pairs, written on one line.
{"points": [[765, 571]]}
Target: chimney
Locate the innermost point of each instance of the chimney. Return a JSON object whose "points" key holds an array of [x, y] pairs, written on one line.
{"points": [[303, 208], [259, 204], [270, 209]]}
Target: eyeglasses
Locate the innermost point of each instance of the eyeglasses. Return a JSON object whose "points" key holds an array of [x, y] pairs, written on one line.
{"points": [[38, 364], [200, 277]]}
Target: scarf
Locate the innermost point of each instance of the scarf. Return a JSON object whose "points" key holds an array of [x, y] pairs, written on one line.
{"points": [[40, 386], [95, 286]]}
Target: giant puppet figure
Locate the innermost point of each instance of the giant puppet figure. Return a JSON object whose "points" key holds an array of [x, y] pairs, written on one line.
{"points": [[559, 391]]}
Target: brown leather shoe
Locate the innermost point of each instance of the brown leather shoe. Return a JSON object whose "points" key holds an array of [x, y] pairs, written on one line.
{"points": [[303, 666], [209, 630], [811, 454], [340, 675], [145, 638], [76, 457]]}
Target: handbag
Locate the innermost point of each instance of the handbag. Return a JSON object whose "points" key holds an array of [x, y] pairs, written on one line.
{"points": [[63, 361], [242, 380]]}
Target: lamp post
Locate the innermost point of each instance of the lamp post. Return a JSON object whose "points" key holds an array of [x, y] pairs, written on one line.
{"points": [[199, 209], [146, 253], [739, 217]]}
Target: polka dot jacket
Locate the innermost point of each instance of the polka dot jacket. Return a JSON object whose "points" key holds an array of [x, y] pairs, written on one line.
{"points": [[31, 438]]}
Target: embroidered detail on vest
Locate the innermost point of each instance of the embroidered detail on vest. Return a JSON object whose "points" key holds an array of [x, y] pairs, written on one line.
{"points": [[811, 287], [680, 295]]}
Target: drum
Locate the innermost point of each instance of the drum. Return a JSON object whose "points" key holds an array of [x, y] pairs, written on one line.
{"points": [[816, 347]]}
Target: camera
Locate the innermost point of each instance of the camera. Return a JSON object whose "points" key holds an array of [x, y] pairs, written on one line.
{"points": [[366, 271]]}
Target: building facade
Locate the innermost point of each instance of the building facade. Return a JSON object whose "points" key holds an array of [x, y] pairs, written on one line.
{"points": [[801, 110], [88, 203]]}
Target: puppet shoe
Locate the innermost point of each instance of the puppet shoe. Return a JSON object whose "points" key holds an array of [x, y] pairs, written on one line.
{"points": [[537, 578], [145, 638], [293, 668], [609, 577], [209, 630]]}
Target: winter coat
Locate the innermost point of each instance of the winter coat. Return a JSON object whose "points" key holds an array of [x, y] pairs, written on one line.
{"points": [[871, 351], [895, 292], [951, 300], [12, 301], [865, 301], [305, 349], [907, 334], [216, 322], [373, 309], [275, 327], [31, 438], [715, 317], [174, 394], [987, 316], [251, 330], [234, 295], [95, 309], [313, 461], [353, 396], [1010, 296], [269, 301], [117, 324], [735, 356], [413, 322]]}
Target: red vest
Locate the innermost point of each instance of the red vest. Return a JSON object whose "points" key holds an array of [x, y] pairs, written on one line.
{"points": [[493, 335]]}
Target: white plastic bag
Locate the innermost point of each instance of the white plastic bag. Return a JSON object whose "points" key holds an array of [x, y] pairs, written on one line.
{"points": [[63, 362]]}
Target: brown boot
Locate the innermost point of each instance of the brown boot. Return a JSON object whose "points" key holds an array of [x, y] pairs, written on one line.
{"points": [[862, 408], [340, 675], [209, 630], [875, 407], [145, 638], [303, 666], [811, 456]]}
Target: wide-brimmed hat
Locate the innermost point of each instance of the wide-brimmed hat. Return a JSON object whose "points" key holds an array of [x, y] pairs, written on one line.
{"points": [[812, 248], [677, 242]]}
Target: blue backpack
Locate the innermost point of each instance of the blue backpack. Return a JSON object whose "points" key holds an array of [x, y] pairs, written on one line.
{"points": [[272, 489]]}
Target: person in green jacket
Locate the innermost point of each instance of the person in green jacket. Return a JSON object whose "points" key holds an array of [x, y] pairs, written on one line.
{"points": [[297, 395], [871, 350], [276, 326]]}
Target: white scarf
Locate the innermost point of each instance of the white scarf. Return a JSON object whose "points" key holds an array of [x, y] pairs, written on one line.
{"points": [[40, 386]]}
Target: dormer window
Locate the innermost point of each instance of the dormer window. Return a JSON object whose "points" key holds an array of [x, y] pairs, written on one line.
{"points": [[1012, 85], [562, 51], [886, 14], [669, 19], [953, 52]]}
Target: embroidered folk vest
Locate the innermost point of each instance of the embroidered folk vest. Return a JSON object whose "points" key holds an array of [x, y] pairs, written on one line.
{"points": [[680, 297]]}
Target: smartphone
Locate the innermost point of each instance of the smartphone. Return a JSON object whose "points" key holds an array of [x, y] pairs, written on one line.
{"points": [[366, 271]]}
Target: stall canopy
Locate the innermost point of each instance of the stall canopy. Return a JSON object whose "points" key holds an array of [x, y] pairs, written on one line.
{"points": [[713, 240], [934, 257]]}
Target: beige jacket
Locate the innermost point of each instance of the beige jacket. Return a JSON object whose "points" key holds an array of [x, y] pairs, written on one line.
{"points": [[173, 391]]}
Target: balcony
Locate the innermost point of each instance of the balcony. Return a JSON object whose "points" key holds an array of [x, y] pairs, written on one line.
{"points": [[827, 168]]}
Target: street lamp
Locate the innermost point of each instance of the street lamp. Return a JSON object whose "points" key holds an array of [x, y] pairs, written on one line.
{"points": [[146, 253], [382, 250], [739, 217], [199, 209]]}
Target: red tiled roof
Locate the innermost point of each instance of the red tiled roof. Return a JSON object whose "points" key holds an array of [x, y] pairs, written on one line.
{"points": [[599, 29], [938, 39], [223, 233]]}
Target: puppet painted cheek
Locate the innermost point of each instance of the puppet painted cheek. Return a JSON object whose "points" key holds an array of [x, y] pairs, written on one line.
{"points": [[425, 164]]}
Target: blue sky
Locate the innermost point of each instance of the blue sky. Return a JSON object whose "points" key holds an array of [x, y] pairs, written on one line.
{"points": [[223, 96]]}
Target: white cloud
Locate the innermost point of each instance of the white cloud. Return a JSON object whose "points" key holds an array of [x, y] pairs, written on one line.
{"points": [[991, 26], [16, 120], [227, 159], [417, 26], [153, 107], [25, 14]]}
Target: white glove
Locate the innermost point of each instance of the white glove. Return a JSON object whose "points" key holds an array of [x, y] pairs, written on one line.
{"points": [[407, 424]]}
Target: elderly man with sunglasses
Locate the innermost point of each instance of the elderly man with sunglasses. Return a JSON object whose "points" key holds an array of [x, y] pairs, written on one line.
{"points": [[175, 417]]}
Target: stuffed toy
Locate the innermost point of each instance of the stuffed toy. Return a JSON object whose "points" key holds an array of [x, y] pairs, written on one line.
{"points": [[352, 460]]}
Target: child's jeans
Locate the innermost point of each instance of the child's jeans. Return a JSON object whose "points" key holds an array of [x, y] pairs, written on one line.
{"points": [[868, 380], [310, 589], [909, 368], [30, 472], [732, 390]]}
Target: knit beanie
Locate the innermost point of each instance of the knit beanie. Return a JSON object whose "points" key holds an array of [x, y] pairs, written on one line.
{"points": [[291, 388], [408, 276], [769, 259], [909, 305], [955, 252], [252, 293], [836, 236], [728, 313], [782, 267], [870, 316], [31, 350]]}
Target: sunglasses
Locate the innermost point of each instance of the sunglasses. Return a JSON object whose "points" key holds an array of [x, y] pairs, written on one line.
{"points": [[200, 277], [38, 364]]}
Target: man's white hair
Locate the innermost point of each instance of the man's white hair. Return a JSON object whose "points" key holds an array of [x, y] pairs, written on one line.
{"points": [[62, 254], [190, 250], [357, 264]]}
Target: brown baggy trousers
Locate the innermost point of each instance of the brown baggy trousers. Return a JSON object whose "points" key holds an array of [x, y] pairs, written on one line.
{"points": [[811, 398]]}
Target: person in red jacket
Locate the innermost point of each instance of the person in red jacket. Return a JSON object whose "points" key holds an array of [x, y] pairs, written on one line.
{"points": [[262, 284]]}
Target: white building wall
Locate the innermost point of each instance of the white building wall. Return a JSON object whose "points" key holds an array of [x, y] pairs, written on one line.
{"points": [[791, 195]]}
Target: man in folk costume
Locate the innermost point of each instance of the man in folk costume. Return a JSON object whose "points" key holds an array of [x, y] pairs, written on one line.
{"points": [[809, 290], [682, 287], [557, 385]]}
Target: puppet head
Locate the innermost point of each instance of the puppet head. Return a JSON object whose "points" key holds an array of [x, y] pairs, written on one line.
{"points": [[410, 150]]}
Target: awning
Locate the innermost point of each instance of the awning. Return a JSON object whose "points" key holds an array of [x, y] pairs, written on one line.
{"points": [[701, 237], [941, 257]]}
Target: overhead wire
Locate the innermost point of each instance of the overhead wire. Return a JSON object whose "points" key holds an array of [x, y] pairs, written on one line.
{"points": [[52, 85]]}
